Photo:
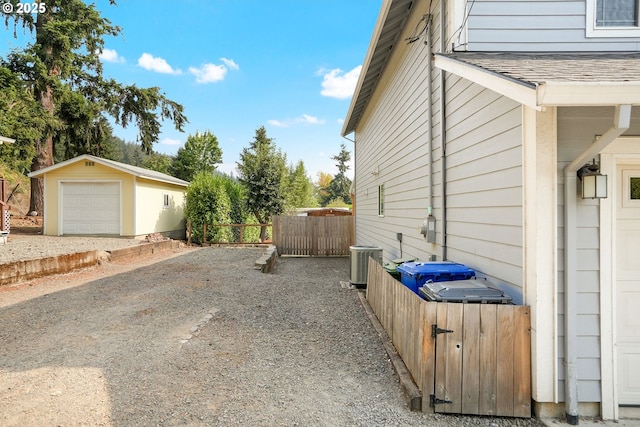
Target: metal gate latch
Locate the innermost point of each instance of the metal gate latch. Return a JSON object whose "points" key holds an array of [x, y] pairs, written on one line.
{"points": [[433, 401], [435, 331]]}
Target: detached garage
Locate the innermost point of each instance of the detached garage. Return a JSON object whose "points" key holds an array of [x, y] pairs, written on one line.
{"points": [[88, 195]]}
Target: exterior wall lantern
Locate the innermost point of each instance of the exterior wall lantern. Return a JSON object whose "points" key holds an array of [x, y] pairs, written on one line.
{"points": [[594, 185]]}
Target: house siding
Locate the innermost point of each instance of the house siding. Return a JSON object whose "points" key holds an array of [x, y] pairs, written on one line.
{"points": [[392, 149], [484, 183], [577, 129], [484, 168], [536, 26]]}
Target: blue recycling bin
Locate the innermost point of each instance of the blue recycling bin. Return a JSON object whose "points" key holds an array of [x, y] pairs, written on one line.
{"points": [[415, 274]]}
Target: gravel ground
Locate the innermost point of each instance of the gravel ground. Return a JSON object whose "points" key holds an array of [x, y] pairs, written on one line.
{"points": [[24, 246], [200, 339]]}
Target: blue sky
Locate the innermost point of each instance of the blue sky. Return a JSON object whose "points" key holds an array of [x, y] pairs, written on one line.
{"points": [[236, 65]]}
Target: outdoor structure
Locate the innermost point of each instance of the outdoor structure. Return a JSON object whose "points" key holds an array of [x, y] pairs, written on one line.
{"points": [[88, 195], [5, 215], [479, 139], [323, 212]]}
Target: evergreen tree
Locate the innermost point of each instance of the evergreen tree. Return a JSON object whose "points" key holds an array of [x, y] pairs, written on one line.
{"points": [[298, 188], [22, 119], [261, 170], [340, 185], [62, 58]]}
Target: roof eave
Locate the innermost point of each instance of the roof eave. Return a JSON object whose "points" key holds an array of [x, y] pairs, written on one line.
{"points": [[524, 93], [562, 94], [378, 53], [548, 93], [108, 164]]}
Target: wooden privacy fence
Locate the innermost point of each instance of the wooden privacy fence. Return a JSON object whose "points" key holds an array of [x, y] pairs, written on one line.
{"points": [[465, 358], [313, 235]]}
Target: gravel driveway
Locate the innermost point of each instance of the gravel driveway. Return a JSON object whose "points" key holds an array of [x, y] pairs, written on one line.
{"points": [[200, 339], [28, 246]]}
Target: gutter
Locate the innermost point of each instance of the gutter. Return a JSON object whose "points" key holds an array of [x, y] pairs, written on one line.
{"points": [[621, 122]]}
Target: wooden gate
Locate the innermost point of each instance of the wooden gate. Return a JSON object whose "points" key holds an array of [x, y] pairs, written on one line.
{"points": [[466, 358], [313, 235], [482, 360]]}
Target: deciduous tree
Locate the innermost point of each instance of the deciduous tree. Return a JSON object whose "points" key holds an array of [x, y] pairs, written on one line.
{"points": [[201, 153]]}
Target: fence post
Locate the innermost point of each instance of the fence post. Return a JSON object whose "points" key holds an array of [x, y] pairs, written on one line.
{"points": [[188, 232]]}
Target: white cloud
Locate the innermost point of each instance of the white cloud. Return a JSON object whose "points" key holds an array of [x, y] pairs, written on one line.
{"points": [[230, 63], [338, 84], [110, 55], [170, 141], [159, 65], [277, 123], [304, 119], [211, 73], [340, 121]]}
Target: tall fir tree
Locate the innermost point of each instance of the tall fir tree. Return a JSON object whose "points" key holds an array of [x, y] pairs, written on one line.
{"points": [[261, 170], [64, 57]]}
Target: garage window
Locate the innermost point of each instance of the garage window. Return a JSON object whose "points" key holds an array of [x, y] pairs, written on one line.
{"points": [[165, 200]]}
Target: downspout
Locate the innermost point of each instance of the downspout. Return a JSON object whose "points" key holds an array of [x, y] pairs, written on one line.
{"points": [[622, 120], [443, 132]]}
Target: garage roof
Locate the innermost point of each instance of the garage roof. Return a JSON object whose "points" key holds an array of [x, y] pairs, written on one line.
{"points": [[123, 167]]}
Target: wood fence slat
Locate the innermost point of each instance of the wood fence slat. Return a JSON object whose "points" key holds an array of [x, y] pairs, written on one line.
{"points": [[471, 359], [488, 359], [522, 363], [454, 358], [504, 370], [441, 355], [428, 317]]}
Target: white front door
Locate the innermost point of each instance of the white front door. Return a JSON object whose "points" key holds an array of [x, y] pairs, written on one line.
{"points": [[627, 297]]}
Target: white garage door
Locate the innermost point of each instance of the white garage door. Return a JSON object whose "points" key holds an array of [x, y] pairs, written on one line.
{"points": [[91, 208]]}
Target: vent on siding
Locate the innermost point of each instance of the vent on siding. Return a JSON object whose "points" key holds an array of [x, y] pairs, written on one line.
{"points": [[89, 163]]}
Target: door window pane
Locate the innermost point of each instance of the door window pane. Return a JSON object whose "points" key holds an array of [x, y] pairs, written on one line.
{"points": [[634, 188]]}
